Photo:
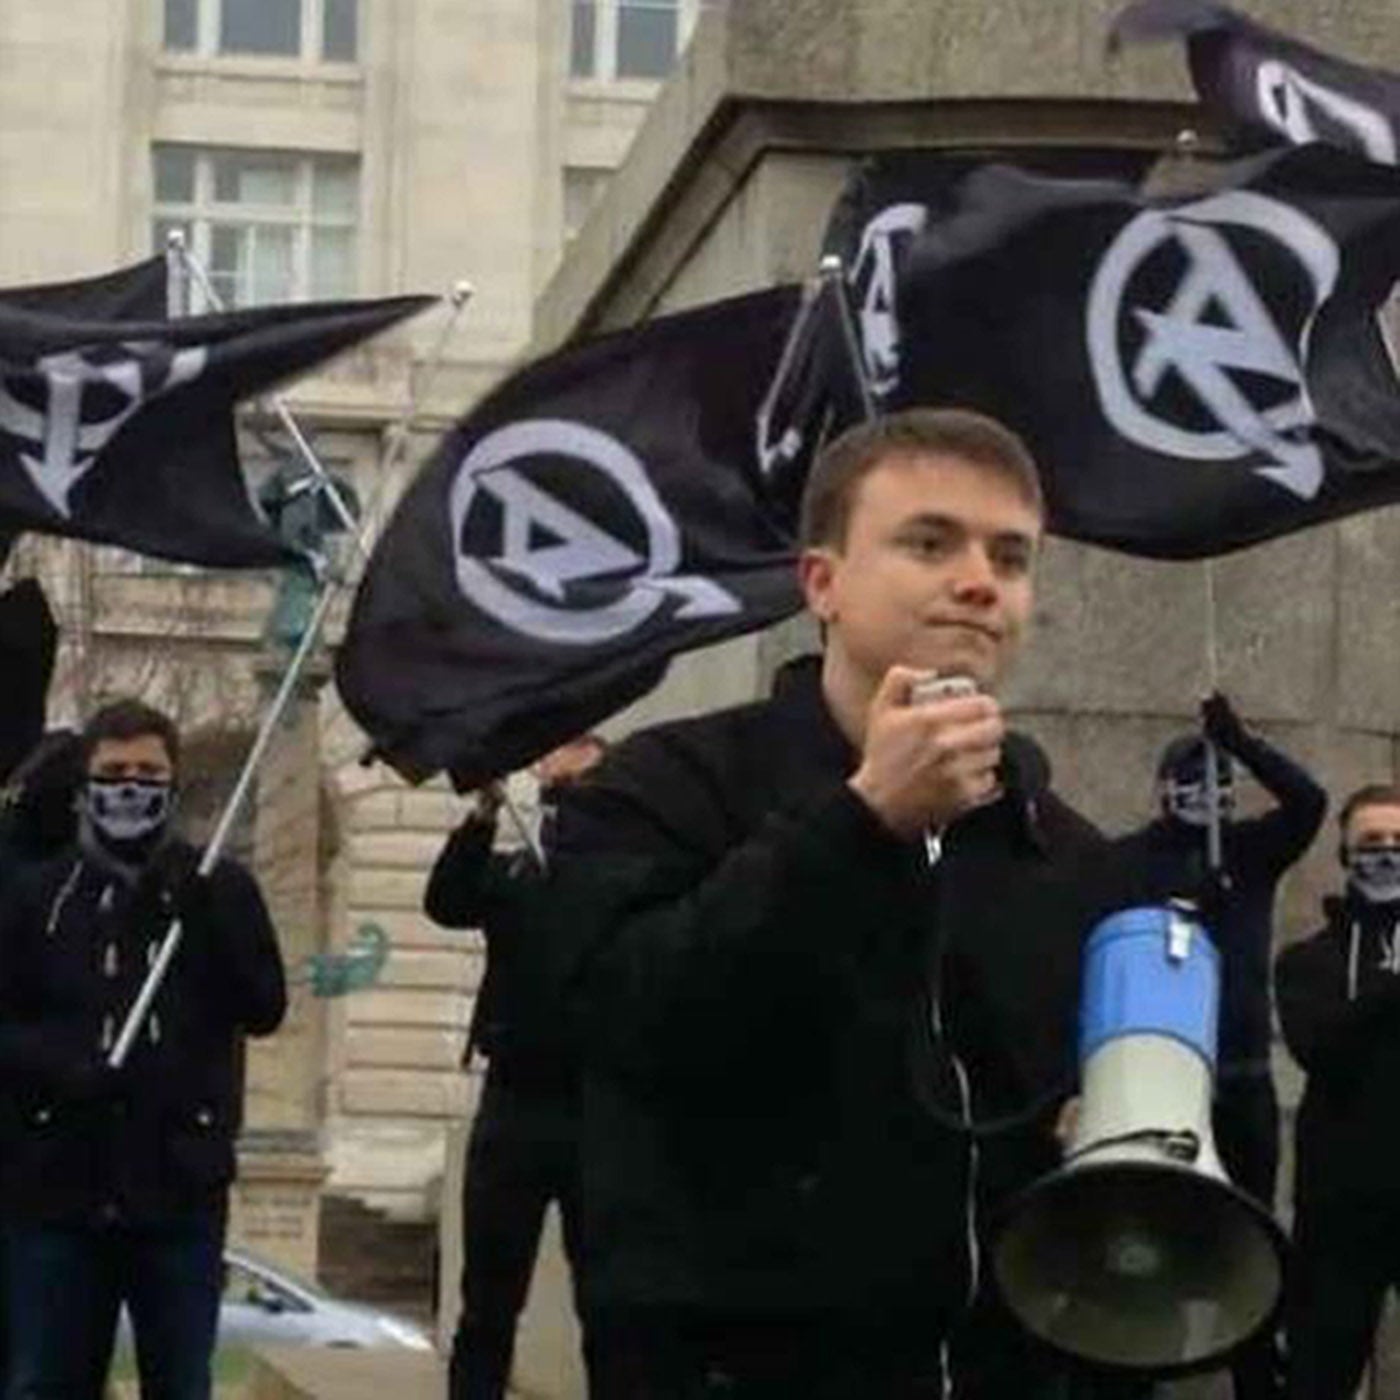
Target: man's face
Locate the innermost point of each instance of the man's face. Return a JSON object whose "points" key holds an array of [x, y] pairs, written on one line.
{"points": [[934, 573], [1373, 828], [144, 758]]}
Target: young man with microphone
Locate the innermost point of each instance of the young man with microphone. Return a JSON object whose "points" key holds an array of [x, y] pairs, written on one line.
{"points": [[813, 937]]}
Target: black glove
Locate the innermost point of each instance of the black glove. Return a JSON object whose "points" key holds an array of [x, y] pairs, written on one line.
{"points": [[1220, 722]]}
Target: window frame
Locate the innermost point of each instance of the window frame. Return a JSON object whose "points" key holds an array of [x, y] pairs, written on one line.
{"points": [[606, 27], [310, 47], [204, 212]]}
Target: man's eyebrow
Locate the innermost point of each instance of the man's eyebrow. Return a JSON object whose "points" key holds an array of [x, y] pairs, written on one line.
{"points": [[931, 518]]}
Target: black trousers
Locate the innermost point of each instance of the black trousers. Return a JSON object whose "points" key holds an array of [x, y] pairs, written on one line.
{"points": [[681, 1354], [1246, 1124], [522, 1154], [1346, 1255]]}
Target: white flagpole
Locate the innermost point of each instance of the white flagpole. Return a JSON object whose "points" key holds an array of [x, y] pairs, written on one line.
{"points": [[279, 404], [330, 583], [398, 434], [833, 273], [177, 284]]}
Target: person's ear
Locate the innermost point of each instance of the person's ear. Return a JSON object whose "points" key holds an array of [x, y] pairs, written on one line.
{"points": [[817, 571]]}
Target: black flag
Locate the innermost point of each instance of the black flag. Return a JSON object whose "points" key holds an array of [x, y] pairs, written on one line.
{"points": [[1270, 87], [122, 432], [1192, 375], [134, 293], [600, 512]]}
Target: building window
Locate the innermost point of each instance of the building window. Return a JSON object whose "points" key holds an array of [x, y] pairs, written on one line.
{"points": [[627, 38], [315, 29], [267, 226]]}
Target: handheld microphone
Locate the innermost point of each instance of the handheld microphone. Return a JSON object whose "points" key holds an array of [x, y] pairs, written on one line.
{"points": [[930, 688]]}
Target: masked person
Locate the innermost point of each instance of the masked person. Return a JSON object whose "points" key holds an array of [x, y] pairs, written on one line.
{"points": [[114, 1183], [1169, 858], [523, 1149], [813, 935], [1339, 1006]]}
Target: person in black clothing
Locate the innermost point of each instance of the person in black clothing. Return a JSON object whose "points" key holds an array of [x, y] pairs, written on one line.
{"points": [[114, 1183], [1168, 859], [812, 935], [39, 818], [523, 1149], [1339, 1006]]}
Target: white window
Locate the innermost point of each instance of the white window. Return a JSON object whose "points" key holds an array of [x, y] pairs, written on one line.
{"points": [[612, 39], [315, 29], [267, 226]]}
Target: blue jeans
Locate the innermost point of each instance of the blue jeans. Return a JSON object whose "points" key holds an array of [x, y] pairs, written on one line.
{"points": [[64, 1287]]}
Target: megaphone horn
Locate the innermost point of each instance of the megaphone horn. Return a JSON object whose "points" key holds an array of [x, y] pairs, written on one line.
{"points": [[1137, 1252]]}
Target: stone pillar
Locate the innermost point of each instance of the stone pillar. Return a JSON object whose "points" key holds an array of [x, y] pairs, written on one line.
{"points": [[276, 1209]]}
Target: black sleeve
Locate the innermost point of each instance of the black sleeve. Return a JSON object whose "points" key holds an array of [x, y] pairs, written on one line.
{"points": [[689, 950], [464, 883], [1279, 837], [38, 1048], [1326, 1031], [243, 945]]}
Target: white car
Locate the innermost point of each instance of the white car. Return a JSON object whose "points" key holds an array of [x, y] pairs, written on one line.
{"points": [[265, 1305]]}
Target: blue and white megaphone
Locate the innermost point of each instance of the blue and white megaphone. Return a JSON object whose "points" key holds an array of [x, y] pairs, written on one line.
{"points": [[1137, 1252]]}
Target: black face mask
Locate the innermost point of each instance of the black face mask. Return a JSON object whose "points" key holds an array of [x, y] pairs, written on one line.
{"points": [[128, 816]]}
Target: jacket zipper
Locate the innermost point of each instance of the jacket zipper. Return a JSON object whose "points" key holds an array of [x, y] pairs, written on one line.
{"points": [[965, 1113]]}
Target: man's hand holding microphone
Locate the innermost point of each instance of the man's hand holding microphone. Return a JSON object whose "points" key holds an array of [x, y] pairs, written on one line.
{"points": [[931, 751]]}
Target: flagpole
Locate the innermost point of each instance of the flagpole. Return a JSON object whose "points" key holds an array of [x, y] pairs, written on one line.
{"points": [[155, 978], [177, 282], [279, 404], [398, 435], [833, 273]]}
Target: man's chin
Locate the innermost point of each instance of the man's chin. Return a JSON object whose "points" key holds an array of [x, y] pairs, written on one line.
{"points": [[970, 661]]}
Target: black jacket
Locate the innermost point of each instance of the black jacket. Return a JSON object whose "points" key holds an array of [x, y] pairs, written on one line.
{"points": [[1339, 1005], [515, 1022], [155, 1140], [1167, 859], [772, 987]]}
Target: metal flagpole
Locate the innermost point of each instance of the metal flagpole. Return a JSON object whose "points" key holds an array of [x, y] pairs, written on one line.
{"points": [[279, 404], [833, 273], [140, 1009], [398, 435], [177, 282]]}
